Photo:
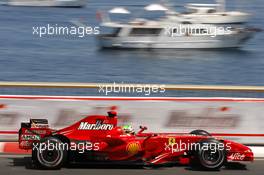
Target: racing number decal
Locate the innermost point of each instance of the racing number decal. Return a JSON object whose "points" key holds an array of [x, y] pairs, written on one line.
{"points": [[172, 141], [133, 148]]}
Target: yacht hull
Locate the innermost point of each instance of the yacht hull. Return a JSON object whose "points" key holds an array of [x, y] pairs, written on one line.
{"points": [[179, 42]]}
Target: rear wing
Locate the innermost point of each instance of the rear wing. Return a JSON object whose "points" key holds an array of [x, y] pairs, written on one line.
{"points": [[39, 123], [32, 132]]}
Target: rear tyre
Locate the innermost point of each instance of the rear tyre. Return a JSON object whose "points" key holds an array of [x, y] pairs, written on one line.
{"points": [[209, 154], [200, 132], [47, 156]]}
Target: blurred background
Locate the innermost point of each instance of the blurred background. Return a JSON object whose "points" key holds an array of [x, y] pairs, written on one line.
{"points": [[27, 57]]}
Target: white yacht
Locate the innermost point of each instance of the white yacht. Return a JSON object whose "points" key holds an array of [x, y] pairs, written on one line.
{"points": [[170, 32], [47, 3], [214, 14]]}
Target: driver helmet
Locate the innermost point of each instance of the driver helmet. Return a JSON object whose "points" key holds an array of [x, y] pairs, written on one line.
{"points": [[128, 129]]}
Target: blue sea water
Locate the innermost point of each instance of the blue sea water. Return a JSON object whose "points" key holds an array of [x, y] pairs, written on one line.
{"points": [[27, 57]]}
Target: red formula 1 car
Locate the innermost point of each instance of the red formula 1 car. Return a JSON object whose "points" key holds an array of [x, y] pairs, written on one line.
{"points": [[98, 139]]}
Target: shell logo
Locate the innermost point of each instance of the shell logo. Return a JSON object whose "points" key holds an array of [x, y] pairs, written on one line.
{"points": [[133, 148]]}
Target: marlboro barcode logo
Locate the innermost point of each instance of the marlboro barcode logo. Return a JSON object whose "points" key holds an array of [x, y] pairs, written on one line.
{"points": [[99, 125]]}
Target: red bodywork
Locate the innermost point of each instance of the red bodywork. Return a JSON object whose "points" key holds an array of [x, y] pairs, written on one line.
{"points": [[110, 143]]}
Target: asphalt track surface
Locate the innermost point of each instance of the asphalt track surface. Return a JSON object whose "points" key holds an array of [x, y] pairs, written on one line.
{"points": [[15, 165]]}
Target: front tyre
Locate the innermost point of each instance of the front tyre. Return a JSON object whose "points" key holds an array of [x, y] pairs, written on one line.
{"points": [[210, 155], [50, 153]]}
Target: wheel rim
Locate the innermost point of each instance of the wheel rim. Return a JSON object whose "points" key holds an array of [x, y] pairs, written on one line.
{"points": [[212, 158], [50, 158]]}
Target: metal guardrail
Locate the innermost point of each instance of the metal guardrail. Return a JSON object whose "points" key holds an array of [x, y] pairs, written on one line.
{"points": [[97, 85]]}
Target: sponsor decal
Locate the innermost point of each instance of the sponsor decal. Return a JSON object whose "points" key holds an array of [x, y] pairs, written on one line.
{"points": [[39, 125], [27, 131], [172, 141], [25, 144], [99, 125], [237, 156], [208, 118], [30, 137], [133, 147]]}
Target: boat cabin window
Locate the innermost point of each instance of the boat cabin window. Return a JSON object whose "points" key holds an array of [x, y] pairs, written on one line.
{"points": [[116, 31], [111, 31], [211, 11], [203, 31], [145, 32], [186, 22], [175, 30]]}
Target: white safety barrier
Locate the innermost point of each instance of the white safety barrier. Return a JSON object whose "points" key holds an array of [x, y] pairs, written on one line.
{"points": [[233, 118]]}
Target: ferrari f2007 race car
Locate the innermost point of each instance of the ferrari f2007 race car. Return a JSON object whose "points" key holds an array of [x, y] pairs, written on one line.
{"points": [[98, 139]]}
